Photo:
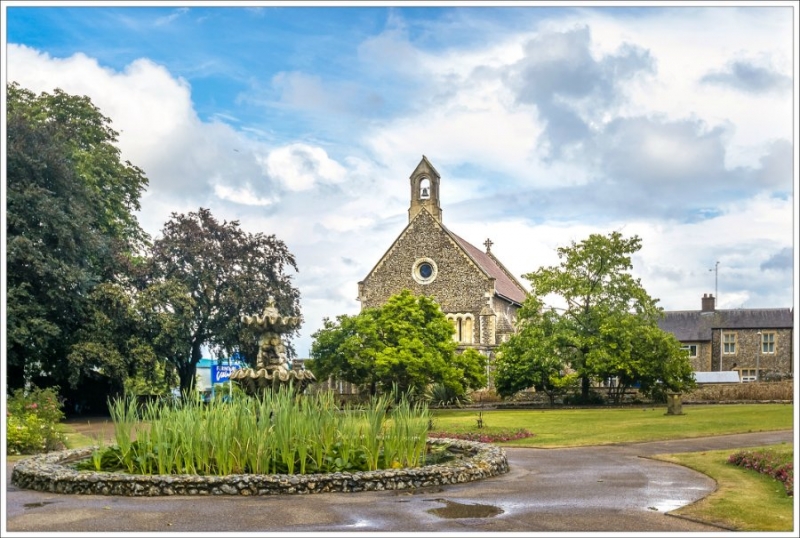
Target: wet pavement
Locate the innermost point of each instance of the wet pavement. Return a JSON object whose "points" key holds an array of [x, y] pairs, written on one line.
{"points": [[590, 489]]}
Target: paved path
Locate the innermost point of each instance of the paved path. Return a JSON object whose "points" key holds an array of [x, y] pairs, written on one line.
{"points": [[591, 489]]}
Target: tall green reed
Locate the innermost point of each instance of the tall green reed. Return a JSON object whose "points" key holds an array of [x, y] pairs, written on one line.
{"points": [[277, 432]]}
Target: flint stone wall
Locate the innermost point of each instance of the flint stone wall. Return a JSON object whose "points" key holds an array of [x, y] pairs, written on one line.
{"points": [[52, 473]]}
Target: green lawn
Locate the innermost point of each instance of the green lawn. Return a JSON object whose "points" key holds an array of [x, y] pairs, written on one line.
{"points": [[744, 500], [582, 427]]}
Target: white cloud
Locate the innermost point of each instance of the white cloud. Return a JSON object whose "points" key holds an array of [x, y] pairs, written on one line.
{"points": [[300, 167], [338, 206]]}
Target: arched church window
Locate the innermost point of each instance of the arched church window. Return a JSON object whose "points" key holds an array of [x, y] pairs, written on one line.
{"points": [[467, 338], [424, 189]]}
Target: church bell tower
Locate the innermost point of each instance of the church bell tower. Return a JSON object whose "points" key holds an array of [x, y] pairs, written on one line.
{"points": [[425, 190]]}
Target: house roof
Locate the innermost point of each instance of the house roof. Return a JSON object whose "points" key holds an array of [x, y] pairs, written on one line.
{"points": [[726, 376], [696, 326], [505, 284]]}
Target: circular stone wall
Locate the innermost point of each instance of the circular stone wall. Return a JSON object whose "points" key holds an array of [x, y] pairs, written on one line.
{"points": [[52, 473]]}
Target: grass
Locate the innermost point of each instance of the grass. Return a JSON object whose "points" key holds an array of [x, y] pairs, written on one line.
{"points": [[744, 500], [586, 427]]}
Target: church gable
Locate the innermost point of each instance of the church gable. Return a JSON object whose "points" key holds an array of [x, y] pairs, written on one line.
{"points": [[428, 261]]}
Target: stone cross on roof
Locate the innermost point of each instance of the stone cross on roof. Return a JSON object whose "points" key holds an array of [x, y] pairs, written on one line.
{"points": [[488, 244]]}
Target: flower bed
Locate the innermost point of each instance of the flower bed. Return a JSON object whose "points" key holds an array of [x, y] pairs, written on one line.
{"points": [[53, 473], [483, 437], [768, 464]]}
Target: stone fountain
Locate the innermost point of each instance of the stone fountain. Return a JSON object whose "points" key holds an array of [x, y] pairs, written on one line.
{"points": [[271, 371]]}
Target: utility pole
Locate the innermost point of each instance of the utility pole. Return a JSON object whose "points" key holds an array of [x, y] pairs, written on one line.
{"points": [[716, 283]]}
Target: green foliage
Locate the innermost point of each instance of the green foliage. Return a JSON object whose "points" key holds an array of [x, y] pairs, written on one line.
{"points": [[531, 357], [407, 342], [608, 327], [277, 433], [70, 226], [201, 277], [438, 395], [31, 420]]}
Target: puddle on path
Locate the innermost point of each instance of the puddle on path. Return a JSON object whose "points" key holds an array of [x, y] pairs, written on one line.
{"points": [[38, 505], [455, 510]]}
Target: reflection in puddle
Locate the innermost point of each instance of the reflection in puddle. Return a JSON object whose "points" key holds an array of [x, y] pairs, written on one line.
{"points": [[668, 505], [454, 510]]}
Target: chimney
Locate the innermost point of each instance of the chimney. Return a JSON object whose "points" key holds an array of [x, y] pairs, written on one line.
{"points": [[708, 302]]}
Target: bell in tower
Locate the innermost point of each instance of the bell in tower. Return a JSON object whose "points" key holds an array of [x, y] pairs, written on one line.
{"points": [[424, 189]]}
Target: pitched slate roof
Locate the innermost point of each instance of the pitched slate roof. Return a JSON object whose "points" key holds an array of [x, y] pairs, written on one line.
{"points": [[505, 284], [696, 326]]}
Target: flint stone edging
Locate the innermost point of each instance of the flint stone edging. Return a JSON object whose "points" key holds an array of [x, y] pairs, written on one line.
{"points": [[49, 473]]}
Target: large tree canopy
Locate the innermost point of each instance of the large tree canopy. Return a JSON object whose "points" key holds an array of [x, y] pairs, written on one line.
{"points": [[406, 343], [69, 226], [606, 328], [202, 276]]}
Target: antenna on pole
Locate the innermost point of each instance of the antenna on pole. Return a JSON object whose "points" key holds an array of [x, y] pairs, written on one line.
{"points": [[716, 283]]}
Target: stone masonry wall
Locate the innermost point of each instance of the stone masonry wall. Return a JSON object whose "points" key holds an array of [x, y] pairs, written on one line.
{"points": [[52, 473], [748, 351], [460, 287]]}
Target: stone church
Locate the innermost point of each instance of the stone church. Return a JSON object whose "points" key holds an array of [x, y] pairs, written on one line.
{"points": [[475, 291]]}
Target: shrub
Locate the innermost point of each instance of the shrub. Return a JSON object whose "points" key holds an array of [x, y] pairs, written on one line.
{"points": [[31, 423], [594, 398], [438, 395], [767, 463]]}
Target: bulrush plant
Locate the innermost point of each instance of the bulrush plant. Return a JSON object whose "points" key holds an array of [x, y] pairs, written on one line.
{"points": [[278, 432]]}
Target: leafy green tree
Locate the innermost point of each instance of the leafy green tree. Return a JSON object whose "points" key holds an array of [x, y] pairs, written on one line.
{"points": [[607, 327], [65, 233], [112, 340], [644, 354], [89, 144], [532, 357], [406, 343], [202, 276]]}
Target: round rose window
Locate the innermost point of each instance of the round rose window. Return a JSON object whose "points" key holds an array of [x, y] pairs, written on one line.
{"points": [[424, 271]]}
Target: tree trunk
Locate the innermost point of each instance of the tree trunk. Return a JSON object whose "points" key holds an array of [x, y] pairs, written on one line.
{"points": [[585, 388], [187, 372]]}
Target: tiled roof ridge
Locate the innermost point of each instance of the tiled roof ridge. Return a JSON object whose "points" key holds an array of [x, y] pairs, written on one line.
{"points": [[505, 284]]}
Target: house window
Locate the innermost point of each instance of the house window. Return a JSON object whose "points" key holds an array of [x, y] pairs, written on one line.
{"points": [[728, 343], [748, 374], [767, 342], [691, 348]]}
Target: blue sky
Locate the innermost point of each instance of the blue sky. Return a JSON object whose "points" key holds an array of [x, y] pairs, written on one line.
{"points": [[547, 124]]}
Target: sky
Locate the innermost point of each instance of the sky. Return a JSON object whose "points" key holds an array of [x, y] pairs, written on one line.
{"points": [[547, 123]]}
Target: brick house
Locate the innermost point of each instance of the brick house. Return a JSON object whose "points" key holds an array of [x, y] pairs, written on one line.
{"points": [[755, 342], [475, 291]]}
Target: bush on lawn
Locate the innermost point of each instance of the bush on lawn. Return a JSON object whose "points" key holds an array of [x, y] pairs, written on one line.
{"points": [[31, 420]]}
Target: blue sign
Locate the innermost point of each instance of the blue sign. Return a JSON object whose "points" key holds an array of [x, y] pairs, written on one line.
{"points": [[221, 373]]}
